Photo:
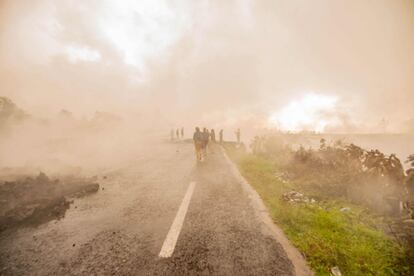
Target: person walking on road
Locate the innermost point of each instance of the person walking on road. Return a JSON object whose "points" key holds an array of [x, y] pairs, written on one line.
{"points": [[206, 138], [198, 139], [182, 133], [221, 136], [213, 136], [238, 136], [177, 133]]}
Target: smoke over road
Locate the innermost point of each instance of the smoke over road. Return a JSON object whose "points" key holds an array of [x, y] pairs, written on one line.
{"points": [[90, 90]]}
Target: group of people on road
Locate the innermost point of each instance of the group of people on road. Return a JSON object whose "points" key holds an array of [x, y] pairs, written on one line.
{"points": [[202, 139], [175, 134]]}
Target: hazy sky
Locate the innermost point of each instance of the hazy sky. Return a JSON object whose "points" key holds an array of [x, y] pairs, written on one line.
{"points": [[325, 64]]}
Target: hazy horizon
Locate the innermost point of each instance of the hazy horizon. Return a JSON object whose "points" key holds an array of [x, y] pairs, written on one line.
{"points": [[321, 66]]}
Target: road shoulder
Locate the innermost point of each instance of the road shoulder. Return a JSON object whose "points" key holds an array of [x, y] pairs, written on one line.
{"points": [[299, 263]]}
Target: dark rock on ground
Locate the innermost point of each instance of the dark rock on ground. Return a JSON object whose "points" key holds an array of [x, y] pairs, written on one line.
{"points": [[40, 199]]}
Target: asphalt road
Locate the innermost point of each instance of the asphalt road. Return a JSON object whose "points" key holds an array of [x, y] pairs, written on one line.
{"points": [[122, 229]]}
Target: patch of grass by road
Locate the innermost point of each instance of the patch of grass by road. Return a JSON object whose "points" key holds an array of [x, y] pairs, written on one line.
{"points": [[352, 240]]}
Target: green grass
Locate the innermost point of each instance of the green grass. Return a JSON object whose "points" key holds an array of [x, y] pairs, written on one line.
{"points": [[325, 235]]}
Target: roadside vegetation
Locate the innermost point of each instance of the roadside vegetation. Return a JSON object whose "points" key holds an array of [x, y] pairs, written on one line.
{"points": [[339, 204]]}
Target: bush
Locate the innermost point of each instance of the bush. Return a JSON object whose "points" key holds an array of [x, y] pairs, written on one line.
{"points": [[340, 170]]}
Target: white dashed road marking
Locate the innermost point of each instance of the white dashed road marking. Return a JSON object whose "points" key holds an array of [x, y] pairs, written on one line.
{"points": [[172, 236]]}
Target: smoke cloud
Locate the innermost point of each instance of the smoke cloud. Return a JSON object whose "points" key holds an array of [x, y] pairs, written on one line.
{"points": [[218, 63]]}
